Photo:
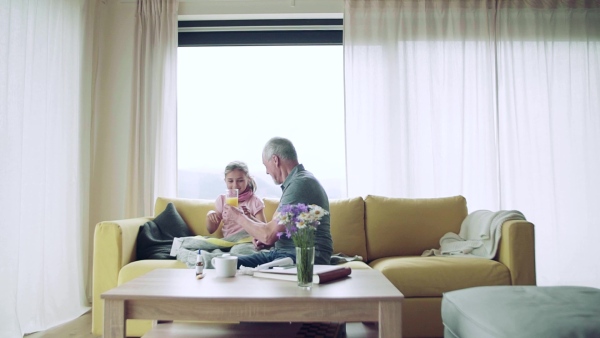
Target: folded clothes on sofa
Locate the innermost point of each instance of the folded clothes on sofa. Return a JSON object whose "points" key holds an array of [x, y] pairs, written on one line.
{"points": [[341, 258]]}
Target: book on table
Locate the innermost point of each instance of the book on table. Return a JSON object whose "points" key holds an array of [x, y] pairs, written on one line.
{"points": [[321, 273]]}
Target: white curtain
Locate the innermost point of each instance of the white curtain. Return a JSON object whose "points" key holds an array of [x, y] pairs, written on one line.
{"points": [[549, 117], [152, 168], [45, 57], [494, 100]]}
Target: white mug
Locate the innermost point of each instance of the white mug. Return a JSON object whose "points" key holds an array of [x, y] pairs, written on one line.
{"points": [[226, 265]]}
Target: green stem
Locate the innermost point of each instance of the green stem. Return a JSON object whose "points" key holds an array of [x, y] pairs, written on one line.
{"points": [[305, 264]]}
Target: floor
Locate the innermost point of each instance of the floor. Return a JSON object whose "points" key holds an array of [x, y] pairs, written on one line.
{"points": [[81, 328], [78, 328]]}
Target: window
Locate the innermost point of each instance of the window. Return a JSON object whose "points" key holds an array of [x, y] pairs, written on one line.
{"points": [[235, 96]]}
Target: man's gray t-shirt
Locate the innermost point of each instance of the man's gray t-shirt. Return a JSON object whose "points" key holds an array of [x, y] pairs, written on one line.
{"points": [[302, 187]]}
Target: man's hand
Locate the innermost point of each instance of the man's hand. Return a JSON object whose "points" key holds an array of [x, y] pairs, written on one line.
{"points": [[231, 213], [246, 211], [258, 245], [249, 214], [264, 232]]}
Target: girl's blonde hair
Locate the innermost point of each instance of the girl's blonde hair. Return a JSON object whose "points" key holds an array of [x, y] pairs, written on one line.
{"points": [[239, 165]]}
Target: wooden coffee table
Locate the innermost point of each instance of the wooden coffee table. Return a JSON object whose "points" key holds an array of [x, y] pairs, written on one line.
{"points": [[176, 294]]}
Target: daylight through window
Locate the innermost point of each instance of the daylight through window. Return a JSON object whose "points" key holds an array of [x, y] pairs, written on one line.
{"points": [[232, 99]]}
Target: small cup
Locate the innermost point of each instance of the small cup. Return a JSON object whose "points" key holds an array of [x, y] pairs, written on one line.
{"points": [[226, 265], [231, 197]]}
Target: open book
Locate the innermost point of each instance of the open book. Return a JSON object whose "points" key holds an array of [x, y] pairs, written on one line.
{"points": [[321, 273]]}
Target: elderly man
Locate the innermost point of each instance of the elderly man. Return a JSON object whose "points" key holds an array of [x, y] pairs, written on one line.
{"points": [[298, 186]]}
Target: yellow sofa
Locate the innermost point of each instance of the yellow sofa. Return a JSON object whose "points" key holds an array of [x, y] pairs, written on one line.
{"points": [[389, 233]]}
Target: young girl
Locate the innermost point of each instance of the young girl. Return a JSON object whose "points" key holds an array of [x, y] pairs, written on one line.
{"points": [[237, 176]]}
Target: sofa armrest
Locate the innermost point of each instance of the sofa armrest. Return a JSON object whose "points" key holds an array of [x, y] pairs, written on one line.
{"points": [[517, 251], [114, 247]]}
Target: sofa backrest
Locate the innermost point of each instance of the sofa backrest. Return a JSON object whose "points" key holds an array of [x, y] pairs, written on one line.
{"points": [[271, 205], [373, 227], [407, 227], [347, 220], [193, 212]]}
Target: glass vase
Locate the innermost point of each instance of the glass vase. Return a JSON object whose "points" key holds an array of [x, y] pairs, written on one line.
{"points": [[305, 262]]}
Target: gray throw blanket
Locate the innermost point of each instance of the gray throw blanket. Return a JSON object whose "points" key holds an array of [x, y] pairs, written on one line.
{"points": [[478, 237], [186, 248], [239, 244]]}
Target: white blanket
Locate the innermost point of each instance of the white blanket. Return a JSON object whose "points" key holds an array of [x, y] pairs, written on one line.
{"points": [[479, 235]]}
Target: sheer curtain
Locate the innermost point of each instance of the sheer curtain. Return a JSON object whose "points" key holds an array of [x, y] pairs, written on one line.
{"points": [[153, 147], [44, 126], [494, 100], [420, 103], [549, 124]]}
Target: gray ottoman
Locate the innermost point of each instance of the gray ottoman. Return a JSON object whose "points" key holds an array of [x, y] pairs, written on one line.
{"points": [[522, 311]]}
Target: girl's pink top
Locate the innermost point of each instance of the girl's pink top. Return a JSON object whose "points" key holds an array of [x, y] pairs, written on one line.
{"points": [[254, 204]]}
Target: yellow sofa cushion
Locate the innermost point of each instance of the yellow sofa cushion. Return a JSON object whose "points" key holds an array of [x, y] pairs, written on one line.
{"points": [[407, 227], [138, 268], [271, 205], [348, 226], [432, 276]]}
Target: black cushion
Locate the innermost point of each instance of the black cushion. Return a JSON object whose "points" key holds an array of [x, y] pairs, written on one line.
{"points": [[155, 238]]}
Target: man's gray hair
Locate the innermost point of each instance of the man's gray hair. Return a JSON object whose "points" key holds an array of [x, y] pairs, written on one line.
{"points": [[281, 147]]}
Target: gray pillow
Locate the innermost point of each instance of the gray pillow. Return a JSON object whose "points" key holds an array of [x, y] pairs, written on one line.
{"points": [[155, 238]]}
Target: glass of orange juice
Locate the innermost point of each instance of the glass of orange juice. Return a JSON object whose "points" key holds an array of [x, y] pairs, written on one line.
{"points": [[231, 197]]}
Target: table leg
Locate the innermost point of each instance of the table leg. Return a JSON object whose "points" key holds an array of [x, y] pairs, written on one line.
{"points": [[390, 323], [114, 318]]}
